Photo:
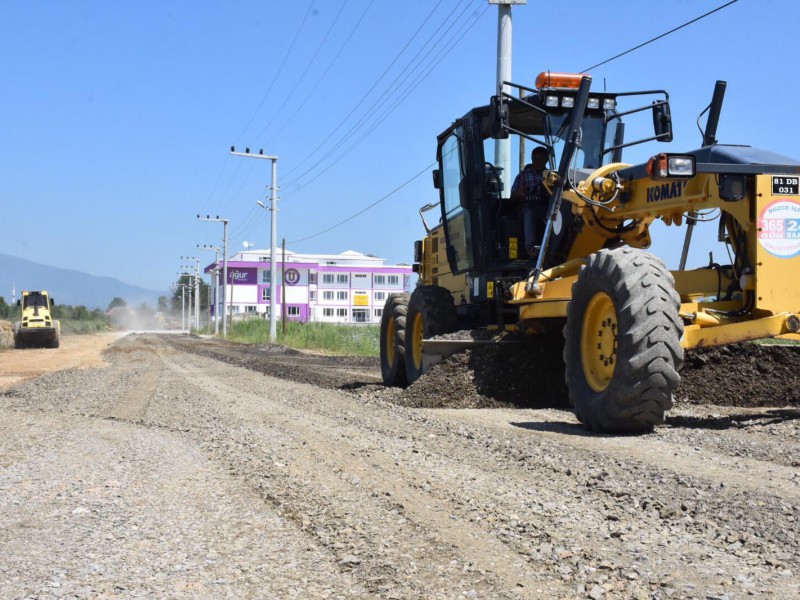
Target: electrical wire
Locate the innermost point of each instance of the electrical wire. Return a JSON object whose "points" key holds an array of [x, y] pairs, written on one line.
{"points": [[369, 91], [310, 94], [280, 69], [288, 96], [450, 44], [711, 12], [365, 209], [386, 113]]}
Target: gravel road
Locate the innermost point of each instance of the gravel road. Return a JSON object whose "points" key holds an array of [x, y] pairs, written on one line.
{"points": [[195, 469]]}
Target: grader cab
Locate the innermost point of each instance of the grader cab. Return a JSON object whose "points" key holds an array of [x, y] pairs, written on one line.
{"points": [[626, 318]]}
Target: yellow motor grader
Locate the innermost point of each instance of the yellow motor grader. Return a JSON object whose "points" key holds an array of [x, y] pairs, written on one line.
{"points": [[626, 318]]}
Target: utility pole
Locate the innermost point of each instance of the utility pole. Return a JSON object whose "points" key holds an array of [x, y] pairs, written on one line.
{"points": [[224, 267], [502, 148], [283, 286], [216, 286], [273, 330], [183, 304], [196, 290]]}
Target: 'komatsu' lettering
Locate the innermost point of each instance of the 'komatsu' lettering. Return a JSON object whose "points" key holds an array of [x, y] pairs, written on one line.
{"points": [[665, 191]]}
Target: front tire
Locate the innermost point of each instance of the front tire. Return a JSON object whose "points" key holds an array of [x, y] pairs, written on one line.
{"points": [[431, 312], [622, 346], [393, 323]]}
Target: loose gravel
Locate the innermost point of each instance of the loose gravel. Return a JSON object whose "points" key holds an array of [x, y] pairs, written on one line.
{"points": [[175, 472]]}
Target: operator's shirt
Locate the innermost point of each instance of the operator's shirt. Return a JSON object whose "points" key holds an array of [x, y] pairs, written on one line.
{"points": [[532, 184]]}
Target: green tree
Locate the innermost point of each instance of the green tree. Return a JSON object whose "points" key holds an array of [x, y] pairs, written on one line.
{"points": [[188, 283], [162, 303], [117, 302], [5, 309]]}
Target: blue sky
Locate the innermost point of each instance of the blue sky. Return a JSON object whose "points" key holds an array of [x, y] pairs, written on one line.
{"points": [[117, 117]]}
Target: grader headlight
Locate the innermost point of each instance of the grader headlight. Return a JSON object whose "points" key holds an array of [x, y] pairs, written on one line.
{"points": [[671, 166]]}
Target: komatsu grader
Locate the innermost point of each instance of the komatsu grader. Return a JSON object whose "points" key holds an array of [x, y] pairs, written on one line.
{"points": [[626, 318]]}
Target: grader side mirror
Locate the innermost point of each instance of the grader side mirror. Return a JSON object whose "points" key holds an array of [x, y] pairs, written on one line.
{"points": [[437, 179], [498, 118], [662, 121]]}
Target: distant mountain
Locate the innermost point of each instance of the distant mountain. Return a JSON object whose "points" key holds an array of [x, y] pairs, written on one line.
{"points": [[69, 287]]}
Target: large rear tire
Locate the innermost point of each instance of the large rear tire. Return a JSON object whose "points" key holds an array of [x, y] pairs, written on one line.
{"points": [[393, 323], [431, 312], [622, 346]]}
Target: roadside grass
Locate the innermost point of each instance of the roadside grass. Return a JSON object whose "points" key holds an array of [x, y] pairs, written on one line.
{"points": [[83, 326], [332, 338], [777, 342]]}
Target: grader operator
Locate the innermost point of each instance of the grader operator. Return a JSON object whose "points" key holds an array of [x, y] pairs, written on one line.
{"points": [[626, 318]]}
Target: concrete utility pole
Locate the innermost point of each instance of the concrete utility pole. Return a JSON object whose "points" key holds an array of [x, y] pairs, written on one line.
{"points": [[183, 287], [183, 301], [224, 267], [196, 290], [216, 286], [502, 148], [273, 330]]}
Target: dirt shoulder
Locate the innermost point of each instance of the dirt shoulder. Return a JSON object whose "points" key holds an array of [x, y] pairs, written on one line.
{"points": [[75, 352]]}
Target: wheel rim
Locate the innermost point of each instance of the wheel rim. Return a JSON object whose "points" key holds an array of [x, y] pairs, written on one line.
{"points": [[416, 341], [388, 342], [599, 341]]}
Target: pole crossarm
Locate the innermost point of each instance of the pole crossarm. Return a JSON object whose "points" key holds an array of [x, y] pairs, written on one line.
{"points": [[273, 210], [224, 221]]}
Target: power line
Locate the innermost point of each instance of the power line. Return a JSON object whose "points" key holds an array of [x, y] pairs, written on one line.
{"points": [[380, 118], [280, 69], [661, 36], [414, 64], [362, 211], [305, 71], [321, 77], [369, 91]]}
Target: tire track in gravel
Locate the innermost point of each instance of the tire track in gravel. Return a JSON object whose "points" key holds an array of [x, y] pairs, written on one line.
{"points": [[616, 502], [756, 476], [354, 471]]}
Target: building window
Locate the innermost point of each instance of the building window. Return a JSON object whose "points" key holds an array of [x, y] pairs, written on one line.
{"points": [[312, 295], [327, 295], [266, 276], [327, 312], [360, 315], [380, 295], [327, 278], [342, 295], [380, 279], [393, 279], [265, 294], [293, 311], [250, 309], [341, 312], [342, 278], [378, 312], [312, 277]]}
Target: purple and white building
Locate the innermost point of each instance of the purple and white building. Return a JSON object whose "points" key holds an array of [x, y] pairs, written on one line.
{"points": [[334, 288]]}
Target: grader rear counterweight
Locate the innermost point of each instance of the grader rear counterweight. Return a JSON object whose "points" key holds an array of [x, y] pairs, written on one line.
{"points": [[626, 318]]}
